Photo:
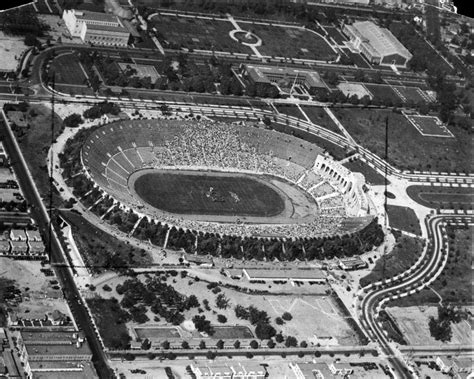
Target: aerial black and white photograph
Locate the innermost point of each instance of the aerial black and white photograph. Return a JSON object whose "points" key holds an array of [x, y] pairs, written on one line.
{"points": [[236, 189]]}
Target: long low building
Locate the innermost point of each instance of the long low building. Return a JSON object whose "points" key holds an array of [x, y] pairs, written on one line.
{"points": [[377, 44], [292, 274]]}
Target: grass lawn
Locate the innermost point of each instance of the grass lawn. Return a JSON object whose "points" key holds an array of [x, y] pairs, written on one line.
{"points": [[290, 110], [209, 193], [102, 251], [403, 218], [383, 92], [288, 42], [109, 318], [404, 255], [232, 332], [442, 197], [455, 283], [371, 175], [35, 142], [196, 33], [67, 69], [408, 149], [320, 117]]}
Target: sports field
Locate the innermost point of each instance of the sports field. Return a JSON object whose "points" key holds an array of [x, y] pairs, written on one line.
{"points": [[232, 332], [209, 194], [430, 126]]}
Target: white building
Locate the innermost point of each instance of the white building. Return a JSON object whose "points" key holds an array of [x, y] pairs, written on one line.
{"points": [[377, 44], [97, 28]]}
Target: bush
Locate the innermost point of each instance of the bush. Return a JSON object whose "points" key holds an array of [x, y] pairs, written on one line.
{"points": [[73, 120], [107, 288], [286, 316], [222, 319]]}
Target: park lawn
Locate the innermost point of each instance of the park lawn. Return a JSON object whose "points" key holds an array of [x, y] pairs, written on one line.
{"points": [[442, 197], [455, 283], [403, 218], [108, 316], [408, 149], [290, 110], [102, 251], [405, 253], [371, 175], [35, 142], [67, 70], [289, 42], [319, 116]]}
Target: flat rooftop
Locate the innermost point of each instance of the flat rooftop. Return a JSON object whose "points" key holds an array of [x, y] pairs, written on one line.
{"points": [[293, 273], [58, 350]]}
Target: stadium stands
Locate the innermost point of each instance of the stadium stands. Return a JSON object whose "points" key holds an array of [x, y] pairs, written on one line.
{"points": [[113, 152]]}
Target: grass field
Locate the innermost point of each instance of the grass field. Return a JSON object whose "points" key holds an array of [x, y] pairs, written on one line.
{"points": [[208, 194], [403, 218], [455, 283], [157, 333], [196, 33], [430, 126], [287, 42], [408, 149], [371, 176], [413, 322], [67, 69], [290, 110], [320, 117], [442, 197], [383, 93], [232, 332], [102, 251], [406, 252], [414, 94]]}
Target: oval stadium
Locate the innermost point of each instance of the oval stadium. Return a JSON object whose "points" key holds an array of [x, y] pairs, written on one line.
{"points": [[223, 178]]}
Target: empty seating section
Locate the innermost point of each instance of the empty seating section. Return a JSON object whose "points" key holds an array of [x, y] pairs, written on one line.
{"points": [[133, 158], [123, 162]]}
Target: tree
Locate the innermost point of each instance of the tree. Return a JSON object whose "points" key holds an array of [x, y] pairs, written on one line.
{"points": [[264, 331], [440, 330], [254, 344], [220, 344], [73, 120], [279, 338], [222, 319], [202, 345], [303, 344], [237, 344], [185, 345], [31, 40], [286, 316], [279, 321], [291, 341], [222, 302], [271, 344], [210, 355], [165, 345]]}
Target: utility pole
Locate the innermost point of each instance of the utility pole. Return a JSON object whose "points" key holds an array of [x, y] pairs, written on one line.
{"points": [[51, 167], [385, 197]]}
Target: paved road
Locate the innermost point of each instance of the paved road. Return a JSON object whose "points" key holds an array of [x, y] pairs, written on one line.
{"points": [[63, 272]]}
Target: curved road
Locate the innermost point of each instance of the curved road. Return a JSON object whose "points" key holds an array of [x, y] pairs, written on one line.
{"points": [[405, 284]]}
